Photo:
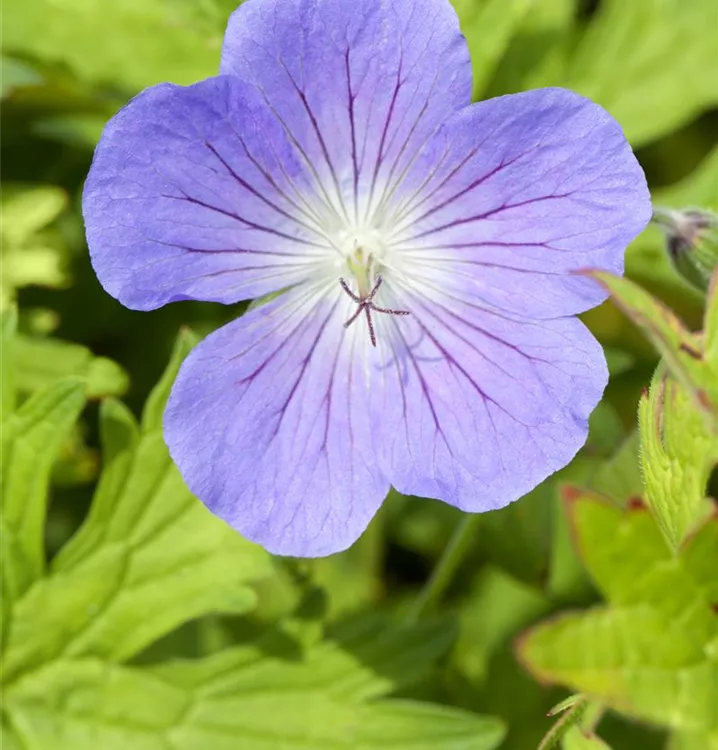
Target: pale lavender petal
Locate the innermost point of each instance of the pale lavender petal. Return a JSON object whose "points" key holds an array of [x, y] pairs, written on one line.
{"points": [[269, 424], [196, 193], [477, 408], [360, 85], [514, 194]]}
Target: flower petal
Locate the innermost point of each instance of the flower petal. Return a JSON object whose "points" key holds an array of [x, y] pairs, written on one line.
{"points": [[195, 193], [479, 407], [268, 422], [514, 194], [359, 85]]}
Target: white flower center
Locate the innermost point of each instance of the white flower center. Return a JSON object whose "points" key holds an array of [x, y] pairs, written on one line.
{"points": [[363, 252]]}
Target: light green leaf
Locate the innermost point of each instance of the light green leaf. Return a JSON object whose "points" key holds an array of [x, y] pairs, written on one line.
{"points": [[27, 210], [31, 438], [677, 455], [222, 703], [150, 42], [618, 360], [650, 653], [565, 704], [361, 659], [149, 557], [693, 741], [238, 695], [155, 405], [620, 477], [631, 658], [28, 255], [538, 52], [488, 27], [572, 715], [605, 430], [647, 65], [17, 74], [8, 328], [630, 562], [710, 333], [39, 362], [496, 610], [681, 349], [8, 738], [577, 739]]}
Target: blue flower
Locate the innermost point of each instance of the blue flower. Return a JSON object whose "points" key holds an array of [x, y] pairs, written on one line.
{"points": [[425, 249]]}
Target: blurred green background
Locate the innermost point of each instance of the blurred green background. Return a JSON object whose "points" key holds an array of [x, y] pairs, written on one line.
{"points": [[68, 65]]}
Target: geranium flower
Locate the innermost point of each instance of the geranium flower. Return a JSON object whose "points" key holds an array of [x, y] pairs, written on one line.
{"points": [[425, 249]]}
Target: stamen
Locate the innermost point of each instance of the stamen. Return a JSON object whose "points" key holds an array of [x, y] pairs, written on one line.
{"points": [[366, 304]]}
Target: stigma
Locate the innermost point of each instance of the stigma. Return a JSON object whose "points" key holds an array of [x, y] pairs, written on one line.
{"points": [[363, 251]]}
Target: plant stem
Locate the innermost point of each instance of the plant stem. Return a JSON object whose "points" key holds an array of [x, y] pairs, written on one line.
{"points": [[445, 569]]}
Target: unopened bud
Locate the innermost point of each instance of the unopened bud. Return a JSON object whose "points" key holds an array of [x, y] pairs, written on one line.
{"points": [[692, 242]]}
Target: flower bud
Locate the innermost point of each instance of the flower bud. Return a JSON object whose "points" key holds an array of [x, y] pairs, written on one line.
{"points": [[692, 242]]}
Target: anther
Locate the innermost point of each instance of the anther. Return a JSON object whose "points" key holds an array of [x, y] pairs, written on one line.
{"points": [[366, 305]]}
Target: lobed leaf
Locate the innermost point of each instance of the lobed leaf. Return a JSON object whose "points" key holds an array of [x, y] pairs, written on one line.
{"points": [[31, 438], [150, 42], [42, 361], [577, 739], [89, 704], [651, 653], [503, 18], [497, 608], [681, 349], [678, 452], [710, 333], [148, 557], [647, 65], [27, 210]]}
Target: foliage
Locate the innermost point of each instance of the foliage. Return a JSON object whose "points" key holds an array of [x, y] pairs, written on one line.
{"points": [[131, 616]]}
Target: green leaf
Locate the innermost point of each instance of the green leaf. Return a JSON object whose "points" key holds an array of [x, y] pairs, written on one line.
{"points": [[605, 430], [27, 210], [238, 695], [17, 74], [631, 658], [39, 362], [651, 653], [565, 704], [677, 455], [132, 43], [647, 65], [155, 406], [222, 703], [8, 328], [31, 438], [630, 562], [571, 716], [620, 477], [577, 739], [8, 738], [495, 611], [149, 557], [710, 333], [488, 27], [538, 52], [29, 256], [360, 659], [681, 349], [693, 741]]}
